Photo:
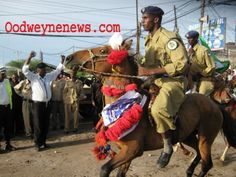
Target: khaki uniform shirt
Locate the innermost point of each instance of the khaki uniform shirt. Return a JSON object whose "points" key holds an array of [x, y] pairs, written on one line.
{"points": [[57, 89], [165, 49], [72, 91], [23, 89], [201, 61]]}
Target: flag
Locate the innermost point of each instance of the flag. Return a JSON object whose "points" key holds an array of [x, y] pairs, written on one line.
{"points": [[221, 66]]}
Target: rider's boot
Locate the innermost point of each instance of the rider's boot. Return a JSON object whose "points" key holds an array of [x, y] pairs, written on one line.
{"points": [[167, 151]]}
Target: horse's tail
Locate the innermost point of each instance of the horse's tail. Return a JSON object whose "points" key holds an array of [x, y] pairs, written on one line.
{"points": [[229, 128]]}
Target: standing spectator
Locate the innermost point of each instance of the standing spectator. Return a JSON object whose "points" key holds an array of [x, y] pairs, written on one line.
{"points": [[71, 96], [97, 99], [58, 113], [17, 107], [6, 121], [41, 95], [23, 89]]}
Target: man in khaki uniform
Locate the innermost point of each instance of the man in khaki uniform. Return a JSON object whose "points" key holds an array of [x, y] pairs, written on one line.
{"points": [[71, 95], [202, 65], [23, 89], [58, 113], [166, 55]]}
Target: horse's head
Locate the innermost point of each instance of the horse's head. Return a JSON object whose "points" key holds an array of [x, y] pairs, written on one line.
{"points": [[221, 93], [94, 58], [91, 58]]}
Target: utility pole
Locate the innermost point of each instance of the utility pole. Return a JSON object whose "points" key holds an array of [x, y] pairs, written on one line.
{"points": [[138, 30], [176, 29], [17, 54], [202, 15], [41, 56]]}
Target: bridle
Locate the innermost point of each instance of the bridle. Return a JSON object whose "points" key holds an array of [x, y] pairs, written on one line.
{"points": [[93, 58]]}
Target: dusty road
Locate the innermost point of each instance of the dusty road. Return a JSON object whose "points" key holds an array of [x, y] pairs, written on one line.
{"points": [[71, 156]]}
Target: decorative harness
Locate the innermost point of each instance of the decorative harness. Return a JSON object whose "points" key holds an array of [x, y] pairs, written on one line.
{"points": [[98, 58]]}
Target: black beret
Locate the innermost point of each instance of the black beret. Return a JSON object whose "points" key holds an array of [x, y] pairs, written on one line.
{"points": [[41, 65], [152, 10], [192, 34]]}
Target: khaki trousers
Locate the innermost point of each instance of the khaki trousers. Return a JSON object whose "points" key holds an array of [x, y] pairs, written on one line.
{"points": [[167, 103], [71, 109]]}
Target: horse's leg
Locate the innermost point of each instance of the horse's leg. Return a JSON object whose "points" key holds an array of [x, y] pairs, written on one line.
{"points": [[222, 158], [181, 146], [205, 144], [123, 169], [192, 141], [126, 154]]}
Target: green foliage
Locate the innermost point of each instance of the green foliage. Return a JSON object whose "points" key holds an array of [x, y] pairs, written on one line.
{"points": [[15, 66], [80, 74]]}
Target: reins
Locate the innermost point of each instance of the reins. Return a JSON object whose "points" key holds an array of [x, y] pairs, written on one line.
{"points": [[110, 74], [97, 58]]}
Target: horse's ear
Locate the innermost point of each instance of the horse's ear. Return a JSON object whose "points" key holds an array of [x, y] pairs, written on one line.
{"points": [[126, 44]]}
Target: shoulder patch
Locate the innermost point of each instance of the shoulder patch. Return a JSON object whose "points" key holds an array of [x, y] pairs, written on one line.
{"points": [[172, 45]]}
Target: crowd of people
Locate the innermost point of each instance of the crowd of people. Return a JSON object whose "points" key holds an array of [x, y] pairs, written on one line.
{"points": [[41, 99], [165, 54]]}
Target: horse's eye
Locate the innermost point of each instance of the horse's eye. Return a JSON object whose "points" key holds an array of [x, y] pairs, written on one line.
{"points": [[102, 51]]}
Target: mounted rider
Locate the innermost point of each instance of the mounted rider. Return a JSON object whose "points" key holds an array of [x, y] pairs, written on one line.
{"points": [[165, 55], [202, 65]]}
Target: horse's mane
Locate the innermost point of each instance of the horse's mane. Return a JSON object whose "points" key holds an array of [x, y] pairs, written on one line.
{"points": [[133, 63]]}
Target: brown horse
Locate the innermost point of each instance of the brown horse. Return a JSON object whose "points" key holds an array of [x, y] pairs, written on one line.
{"points": [[200, 120], [221, 95]]}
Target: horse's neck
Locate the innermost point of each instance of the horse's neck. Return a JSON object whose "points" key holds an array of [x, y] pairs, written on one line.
{"points": [[114, 82]]}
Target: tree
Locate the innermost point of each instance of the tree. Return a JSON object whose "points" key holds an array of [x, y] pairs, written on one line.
{"points": [[15, 66]]}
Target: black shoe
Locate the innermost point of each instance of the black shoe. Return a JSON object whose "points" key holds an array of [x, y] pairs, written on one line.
{"points": [[9, 147], [2, 151], [75, 130], [40, 148], [66, 132], [47, 146], [164, 159]]}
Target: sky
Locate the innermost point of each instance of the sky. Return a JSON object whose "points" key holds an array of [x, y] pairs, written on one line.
{"points": [[92, 13]]}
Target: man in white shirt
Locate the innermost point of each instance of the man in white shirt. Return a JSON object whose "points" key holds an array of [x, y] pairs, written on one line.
{"points": [[41, 95], [6, 119]]}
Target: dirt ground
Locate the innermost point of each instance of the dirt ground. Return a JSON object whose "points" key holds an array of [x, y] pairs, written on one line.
{"points": [[70, 156]]}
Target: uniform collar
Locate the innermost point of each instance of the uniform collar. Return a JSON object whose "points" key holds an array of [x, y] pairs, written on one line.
{"points": [[155, 37], [196, 47]]}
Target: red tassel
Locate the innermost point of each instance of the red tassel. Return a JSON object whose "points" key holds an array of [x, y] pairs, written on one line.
{"points": [[100, 138], [111, 91], [98, 153], [117, 56], [102, 152], [131, 87], [128, 119], [99, 124]]}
